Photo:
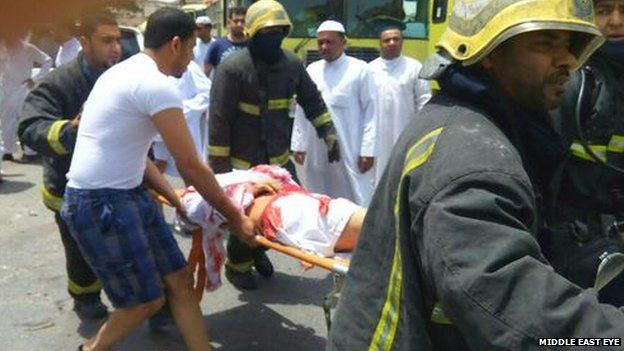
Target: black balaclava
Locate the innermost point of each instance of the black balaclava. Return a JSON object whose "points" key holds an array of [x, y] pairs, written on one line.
{"points": [[267, 46]]}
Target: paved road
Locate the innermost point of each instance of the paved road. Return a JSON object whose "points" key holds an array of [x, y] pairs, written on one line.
{"points": [[36, 311]]}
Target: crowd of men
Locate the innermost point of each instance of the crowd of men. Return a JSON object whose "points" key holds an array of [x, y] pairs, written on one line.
{"points": [[494, 207]]}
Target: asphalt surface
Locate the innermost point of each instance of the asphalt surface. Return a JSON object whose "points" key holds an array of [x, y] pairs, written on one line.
{"points": [[36, 310]]}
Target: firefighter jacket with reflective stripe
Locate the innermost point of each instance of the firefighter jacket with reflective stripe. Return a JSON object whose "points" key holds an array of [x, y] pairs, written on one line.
{"points": [[45, 127], [447, 258], [587, 197], [587, 188], [250, 119]]}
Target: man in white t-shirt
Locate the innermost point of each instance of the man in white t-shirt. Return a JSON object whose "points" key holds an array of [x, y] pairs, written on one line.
{"points": [[116, 223]]}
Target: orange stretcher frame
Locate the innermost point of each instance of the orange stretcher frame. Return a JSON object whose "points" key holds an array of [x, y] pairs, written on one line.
{"points": [[197, 259]]}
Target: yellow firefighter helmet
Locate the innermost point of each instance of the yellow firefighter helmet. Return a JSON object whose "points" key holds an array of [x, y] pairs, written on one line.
{"points": [[477, 27], [266, 13]]}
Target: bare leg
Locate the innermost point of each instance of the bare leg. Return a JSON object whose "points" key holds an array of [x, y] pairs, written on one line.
{"points": [[121, 323], [186, 311], [351, 233]]}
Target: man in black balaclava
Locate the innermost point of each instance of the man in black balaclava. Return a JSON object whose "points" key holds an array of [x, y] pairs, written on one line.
{"points": [[252, 95]]}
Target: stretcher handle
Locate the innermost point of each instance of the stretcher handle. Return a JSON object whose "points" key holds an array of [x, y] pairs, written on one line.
{"points": [[336, 266], [196, 257]]}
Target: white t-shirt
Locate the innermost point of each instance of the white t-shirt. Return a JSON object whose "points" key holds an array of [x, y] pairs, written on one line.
{"points": [[116, 128]]}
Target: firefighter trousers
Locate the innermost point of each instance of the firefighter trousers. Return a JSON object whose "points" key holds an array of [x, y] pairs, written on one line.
{"points": [[82, 284]]}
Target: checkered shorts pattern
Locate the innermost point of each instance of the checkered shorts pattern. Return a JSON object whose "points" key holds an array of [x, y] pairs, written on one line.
{"points": [[125, 239]]}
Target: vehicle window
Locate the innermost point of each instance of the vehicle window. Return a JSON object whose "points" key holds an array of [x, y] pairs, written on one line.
{"points": [[129, 44], [367, 17], [308, 15], [362, 18]]}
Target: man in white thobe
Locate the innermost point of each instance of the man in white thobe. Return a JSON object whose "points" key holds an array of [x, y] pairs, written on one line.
{"points": [[194, 88], [348, 90], [16, 80], [204, 39], [400, 94]]}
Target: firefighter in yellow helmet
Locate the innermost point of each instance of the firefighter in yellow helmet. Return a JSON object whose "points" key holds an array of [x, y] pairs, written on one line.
{"points": [[250, 124], [447, 258]]}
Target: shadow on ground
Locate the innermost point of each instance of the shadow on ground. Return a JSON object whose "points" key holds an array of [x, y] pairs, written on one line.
{"points": [[279, 290], [9, 186], [254, 325]]}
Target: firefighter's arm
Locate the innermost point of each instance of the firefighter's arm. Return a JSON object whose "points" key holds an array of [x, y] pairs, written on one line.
{"points": [[43, 127], [224, 97], [311, 101], [489, 275]]}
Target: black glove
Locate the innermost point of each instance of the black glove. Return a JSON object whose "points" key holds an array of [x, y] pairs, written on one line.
{"points": [[331, 140]]}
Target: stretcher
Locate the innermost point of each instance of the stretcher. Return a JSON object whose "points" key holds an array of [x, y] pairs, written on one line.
{"points": [[338, 267]]}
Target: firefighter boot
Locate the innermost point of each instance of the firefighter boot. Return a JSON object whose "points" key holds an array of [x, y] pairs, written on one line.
{"points": [[263, 265], [90, 308]]}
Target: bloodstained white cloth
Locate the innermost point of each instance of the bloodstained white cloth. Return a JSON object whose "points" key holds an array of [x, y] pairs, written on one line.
{"points": [[295, 217]]}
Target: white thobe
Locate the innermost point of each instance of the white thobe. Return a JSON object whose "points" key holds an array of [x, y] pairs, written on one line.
{"points": [[18, 66], [194, 88], [347, 89], [67, 51], [200, 50], [400, 95]]}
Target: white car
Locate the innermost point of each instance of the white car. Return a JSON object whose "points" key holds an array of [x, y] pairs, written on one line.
{"points": [[131, 41]]}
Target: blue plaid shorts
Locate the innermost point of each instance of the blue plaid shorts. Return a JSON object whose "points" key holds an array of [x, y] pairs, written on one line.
{"points": [[123, 236]]}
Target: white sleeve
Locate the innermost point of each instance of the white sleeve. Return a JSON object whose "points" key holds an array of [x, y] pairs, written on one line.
{"points": [[160, 150], [300, 131], [156, 94], [422, 90], [200, 101], [198, 210], [41, 58], [369, 118]]}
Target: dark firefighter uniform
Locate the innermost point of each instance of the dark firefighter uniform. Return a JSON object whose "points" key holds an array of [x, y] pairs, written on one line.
{"points": [[589, 197], [250, 122], [45, 127], [447, 258]]}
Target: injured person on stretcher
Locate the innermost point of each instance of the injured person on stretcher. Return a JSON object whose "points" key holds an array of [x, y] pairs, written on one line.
{"points": [[283, 210]]}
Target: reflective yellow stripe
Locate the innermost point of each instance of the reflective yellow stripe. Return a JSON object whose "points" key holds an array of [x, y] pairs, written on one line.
{"points": [[249, 108], [74, 288], [281, 159], [51, 201], [616, 144], [579, 151], [239, 267], [54, 137], [322, 119], [438, 316], [383, 338], [239, 164], [279, 104], [422, 145], [219, 151]]}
